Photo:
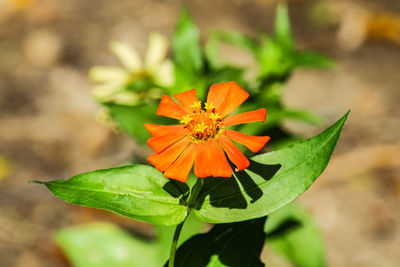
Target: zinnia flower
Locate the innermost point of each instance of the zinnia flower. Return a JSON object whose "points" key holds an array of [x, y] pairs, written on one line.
{"points": [[116, 82], [202, 136]]}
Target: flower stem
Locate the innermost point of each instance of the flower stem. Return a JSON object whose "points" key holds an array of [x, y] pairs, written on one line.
{"points": [[174, 244], [192, 199]]}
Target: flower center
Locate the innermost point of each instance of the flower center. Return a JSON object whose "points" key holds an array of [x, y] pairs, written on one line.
{"points": [[203, 124]]}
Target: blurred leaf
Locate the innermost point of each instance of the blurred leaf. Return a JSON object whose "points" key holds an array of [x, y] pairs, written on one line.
{"points": [[137, 191], [312, 59], [272, 58], [233, 244], [131, 119], [186, 44], [103, 244], [301, 244], [211, 51], [283, 32], [277, 117], [187, 56], [236, 39], [270, 182], [165, 234], [186, 80], [227, 74]]}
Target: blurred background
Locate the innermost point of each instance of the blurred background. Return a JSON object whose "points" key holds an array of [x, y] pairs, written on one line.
{"points": [[48, 128]]}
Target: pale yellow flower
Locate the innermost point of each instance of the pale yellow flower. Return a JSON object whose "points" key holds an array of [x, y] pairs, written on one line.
{"points": [[155, 69]]}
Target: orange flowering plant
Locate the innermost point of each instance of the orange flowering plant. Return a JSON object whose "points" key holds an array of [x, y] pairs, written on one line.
{"points": [[228, 189], [142, 192]]}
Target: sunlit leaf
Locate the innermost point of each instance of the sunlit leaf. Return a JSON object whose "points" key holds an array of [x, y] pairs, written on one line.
{"points": [[292, 232], [270, 182], [141, 192], [233, 244], [136, 191], [103, 244]]}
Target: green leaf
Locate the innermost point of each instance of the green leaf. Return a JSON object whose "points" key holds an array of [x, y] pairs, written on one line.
{"points": [[233, 244], [137, 191], [283, 32], [103, 244], [233, 38], [273, 58], [270, 182], [312, 60], [186, 44], [292, 232], [277, 117], [131, 119], [186, 80], [227, 74]]}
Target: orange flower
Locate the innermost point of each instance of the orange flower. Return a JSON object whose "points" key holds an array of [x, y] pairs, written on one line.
{"points": [[202, 137]]}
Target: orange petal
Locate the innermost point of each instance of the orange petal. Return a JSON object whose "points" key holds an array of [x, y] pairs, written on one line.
{"points": [[180, 169], [234, 153], [254, 143], [157, 130], [161, 142], [226, 97], [187, 98], [246, 117], [169, 108], [164, 159], [201, 163], [216, 160]]}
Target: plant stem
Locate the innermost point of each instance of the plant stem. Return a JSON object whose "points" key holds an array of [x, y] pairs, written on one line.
{"points": [[192, 199], [174, 244]]}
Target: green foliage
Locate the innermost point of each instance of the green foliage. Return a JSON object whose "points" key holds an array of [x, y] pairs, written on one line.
{"points": [[186, 43], [233, 244], [187, 55], [141, 192], [136, 191], [276, 117], [103, 244], [292, 232], [276, 57], [283, 32], [239, 204], [270, 182]]}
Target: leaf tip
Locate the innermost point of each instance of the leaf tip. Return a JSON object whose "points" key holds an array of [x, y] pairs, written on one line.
{"points": [[36, 182], [346, 115]]}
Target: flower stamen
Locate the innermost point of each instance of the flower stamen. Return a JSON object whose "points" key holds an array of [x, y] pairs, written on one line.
{"points": [[203, 124]]}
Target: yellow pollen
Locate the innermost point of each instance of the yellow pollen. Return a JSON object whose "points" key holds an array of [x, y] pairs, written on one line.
{"points": [[196, 105], [209, 106], [199, 128], [214, 116], [203, 124], [186, 119]]}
